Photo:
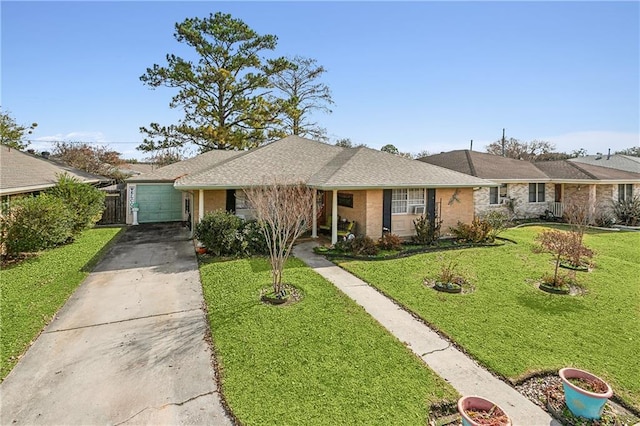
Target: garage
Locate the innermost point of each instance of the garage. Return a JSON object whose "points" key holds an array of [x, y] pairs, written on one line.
{"points": [[158, 203]]}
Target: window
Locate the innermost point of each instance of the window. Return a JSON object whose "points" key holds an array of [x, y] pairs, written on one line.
{"points": [[498, 194], [625, 192], [241, 200], [536, 192], [399, 201], [406, 200], [345, 200]]}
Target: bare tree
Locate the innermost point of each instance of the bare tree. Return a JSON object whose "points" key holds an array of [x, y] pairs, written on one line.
{"points": [[302, 94], [529, 151], [284, 212]]}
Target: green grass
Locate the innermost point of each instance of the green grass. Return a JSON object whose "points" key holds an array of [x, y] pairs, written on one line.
{"points": [[323, 360], [515, 329], [34, 290]]}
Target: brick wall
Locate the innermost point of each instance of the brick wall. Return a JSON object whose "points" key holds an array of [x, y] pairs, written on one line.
{"points": [[457, 205], [213, 200]]}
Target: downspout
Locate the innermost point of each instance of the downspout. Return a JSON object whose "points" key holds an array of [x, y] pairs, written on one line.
{"points": [[314, 222], [334, 217]]}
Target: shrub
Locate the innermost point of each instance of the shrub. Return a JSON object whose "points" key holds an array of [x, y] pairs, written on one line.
{"points": [[221, 233], [627, 211], [359, 246], [477, 232], [254, 238], [604, 218], [390, 242], [425, 233], [563, 246], [85, 202], [498, 221], [37, 223]]}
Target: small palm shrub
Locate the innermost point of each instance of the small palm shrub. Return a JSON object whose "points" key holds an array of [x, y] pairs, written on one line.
{"points": [[426, 233], [627, 211]]}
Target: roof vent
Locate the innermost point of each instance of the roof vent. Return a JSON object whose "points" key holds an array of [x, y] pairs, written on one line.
{"points": [[598, 156]]}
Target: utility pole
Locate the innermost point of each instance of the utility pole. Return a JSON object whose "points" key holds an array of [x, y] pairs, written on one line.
{"points": [[471, 145], [503, 142]]}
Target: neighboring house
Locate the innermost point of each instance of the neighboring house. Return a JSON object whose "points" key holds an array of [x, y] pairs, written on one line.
{"points": [[615, 161], [530, 189], [376, 190], [24, 173]]}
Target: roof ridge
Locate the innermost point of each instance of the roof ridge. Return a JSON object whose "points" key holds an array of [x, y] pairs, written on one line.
{"points": [[572, 163], [472, 168]]}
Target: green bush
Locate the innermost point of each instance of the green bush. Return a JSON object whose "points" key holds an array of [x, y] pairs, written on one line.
{"points": [[37, 223], [85, 202], [390, 242], [425, 233], [627, 211], [478, 231], [254, 238], [221, 233]]}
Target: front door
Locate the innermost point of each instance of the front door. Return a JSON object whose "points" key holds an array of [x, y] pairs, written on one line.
{"points": [[558, 193]]}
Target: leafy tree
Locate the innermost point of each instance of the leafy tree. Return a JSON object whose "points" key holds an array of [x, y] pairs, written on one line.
{"points": [[578, 153], [167, 156], [344, 143], [302, 94], [12, 134], [391, 149], [92, 159], [529, 151], [347, 143], [224, 94], [284, 212], [634, 151]]}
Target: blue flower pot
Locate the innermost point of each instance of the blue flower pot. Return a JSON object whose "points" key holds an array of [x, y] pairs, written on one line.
{"points": [[582, 402]]}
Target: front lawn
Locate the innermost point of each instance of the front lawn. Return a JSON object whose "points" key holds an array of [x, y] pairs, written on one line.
{"points": [[323, 360], [34, 290], [515, 329]]}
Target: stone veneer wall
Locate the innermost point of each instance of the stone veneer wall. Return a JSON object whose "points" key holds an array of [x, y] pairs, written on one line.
{"points": [[519, 192]]}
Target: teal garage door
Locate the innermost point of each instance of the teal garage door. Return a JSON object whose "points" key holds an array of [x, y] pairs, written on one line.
{"points": [[159, 203]]}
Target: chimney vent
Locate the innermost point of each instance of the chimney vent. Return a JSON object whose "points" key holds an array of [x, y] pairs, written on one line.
{"points": [[609, 154]]}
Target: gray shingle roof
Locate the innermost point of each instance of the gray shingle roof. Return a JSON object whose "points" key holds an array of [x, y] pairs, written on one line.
{"points": [[294, 159], [177, 170], [367, 168], [573, 171], [23, 173], [487, 166], [620, 162]]}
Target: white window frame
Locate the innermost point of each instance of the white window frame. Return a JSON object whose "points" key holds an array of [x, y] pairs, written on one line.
{"points": [[537, 192], [405, 200]]}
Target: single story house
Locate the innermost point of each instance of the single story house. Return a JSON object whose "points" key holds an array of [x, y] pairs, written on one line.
{"points": [[24, 173], [613, 161], [530, 189], [374, 189]]}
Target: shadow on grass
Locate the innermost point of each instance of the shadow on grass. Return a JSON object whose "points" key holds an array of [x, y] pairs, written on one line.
{"points": [[551, 304]]}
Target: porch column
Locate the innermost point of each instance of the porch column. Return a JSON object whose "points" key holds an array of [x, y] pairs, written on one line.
{"points": [[200, 204], [592, 203], [314, 223], [334, 217]]}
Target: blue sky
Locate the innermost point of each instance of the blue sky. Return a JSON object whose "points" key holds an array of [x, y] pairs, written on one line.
{"points": [[419, 75]]}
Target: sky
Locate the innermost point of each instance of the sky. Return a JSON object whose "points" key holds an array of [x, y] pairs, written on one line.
{"points": [[419, 75]]}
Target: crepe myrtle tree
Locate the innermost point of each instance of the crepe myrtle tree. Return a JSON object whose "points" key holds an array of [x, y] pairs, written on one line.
{"points": [[562, 245], [284, 212]]}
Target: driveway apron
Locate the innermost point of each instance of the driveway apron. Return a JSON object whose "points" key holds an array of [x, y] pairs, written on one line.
{"points": [[128, 347]]}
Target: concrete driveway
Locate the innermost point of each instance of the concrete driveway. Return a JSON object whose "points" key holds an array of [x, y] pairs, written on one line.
{"points": [[127, 348]]}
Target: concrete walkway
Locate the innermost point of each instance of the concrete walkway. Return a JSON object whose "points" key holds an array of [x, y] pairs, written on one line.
{"points": [[127, 348], [464, 374]]}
